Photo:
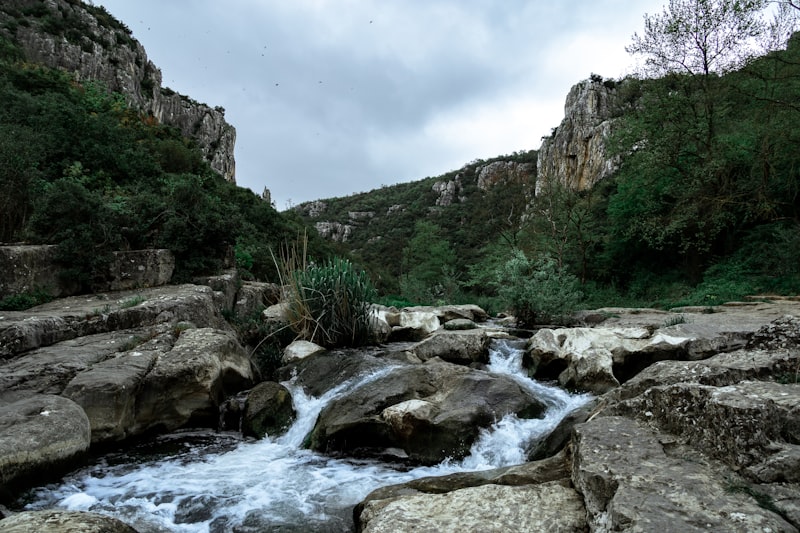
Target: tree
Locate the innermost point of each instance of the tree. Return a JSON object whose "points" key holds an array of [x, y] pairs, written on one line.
{"points": [[538, 291], [429, 265], [706, 154], [700, 37]]}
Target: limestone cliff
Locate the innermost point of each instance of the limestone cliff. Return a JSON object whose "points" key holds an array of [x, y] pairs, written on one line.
{"points": [[87, 41], [575, 154]]}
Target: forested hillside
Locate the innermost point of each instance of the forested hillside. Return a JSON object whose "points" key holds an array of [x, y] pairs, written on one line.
{"points": [[704, 205], [415, 237], [81, 169]]}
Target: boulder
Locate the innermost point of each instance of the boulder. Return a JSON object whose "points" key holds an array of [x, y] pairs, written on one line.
{"points": [[321, 372], [107, 392], [59, 521], [39, 435], [446, 313], [300, 350], [225, 287], [557, 439], [268, 410], [187, 384], [460, 347], [635, 479], [460, 324], [253, 297], [599, 359], [430, 411], [718, 371], [412, 324], [136, 269], [50, 369], [550, 506], [277, 313], [31, 268]]}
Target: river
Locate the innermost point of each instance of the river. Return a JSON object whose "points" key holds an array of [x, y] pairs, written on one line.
{"points": [[204, 481]]}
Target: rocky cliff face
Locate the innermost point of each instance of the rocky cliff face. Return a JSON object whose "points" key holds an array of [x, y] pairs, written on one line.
{"points": [[87, 41], [575, 154]]}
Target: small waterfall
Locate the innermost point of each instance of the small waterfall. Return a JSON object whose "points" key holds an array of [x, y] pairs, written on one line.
{"points": [[212, 484]]}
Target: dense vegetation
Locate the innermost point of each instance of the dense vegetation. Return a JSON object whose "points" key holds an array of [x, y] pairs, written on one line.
{"points": [[705, 207], [80, 169], [413, 246]]}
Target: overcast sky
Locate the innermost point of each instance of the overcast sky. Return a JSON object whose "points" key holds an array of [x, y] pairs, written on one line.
{"points": [[334, 97]]}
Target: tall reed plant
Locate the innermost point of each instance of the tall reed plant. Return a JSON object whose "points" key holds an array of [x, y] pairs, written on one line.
{"points": [[329, 303]]}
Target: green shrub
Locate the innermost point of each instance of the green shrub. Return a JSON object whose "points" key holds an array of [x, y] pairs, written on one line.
{"points": [[19, 302], [330, 303], [538, 291]]}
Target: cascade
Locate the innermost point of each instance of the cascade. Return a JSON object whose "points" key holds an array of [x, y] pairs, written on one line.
{"points": [[209, 482]]}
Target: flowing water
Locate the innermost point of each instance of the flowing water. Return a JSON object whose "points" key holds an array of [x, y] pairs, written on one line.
{"points": [[217, 482]]}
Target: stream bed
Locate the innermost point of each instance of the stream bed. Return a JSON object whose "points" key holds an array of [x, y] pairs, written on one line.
{"points": [[206, 481]]}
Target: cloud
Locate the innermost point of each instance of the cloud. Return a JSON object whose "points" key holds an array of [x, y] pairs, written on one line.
{"points": [[335, 97]]}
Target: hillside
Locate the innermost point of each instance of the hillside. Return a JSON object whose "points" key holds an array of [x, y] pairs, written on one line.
{"points": [[87, 41], [95, 155], [675, 190]]}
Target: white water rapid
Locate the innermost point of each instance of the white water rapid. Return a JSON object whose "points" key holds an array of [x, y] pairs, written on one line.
{"points": [[212, 482]]}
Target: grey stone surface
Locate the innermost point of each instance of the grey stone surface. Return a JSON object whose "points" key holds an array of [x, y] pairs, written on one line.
{"points": [[187, 384], [39, 433], [59, 521], [79, 316], [631, 481], [460, 347], [549, 507]]}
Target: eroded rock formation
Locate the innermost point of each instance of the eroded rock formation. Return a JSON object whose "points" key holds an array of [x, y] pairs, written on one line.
{"points": [[95, 46], [575, 155]]}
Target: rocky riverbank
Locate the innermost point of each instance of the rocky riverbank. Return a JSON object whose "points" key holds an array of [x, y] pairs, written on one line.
{"points": [[696, 423]]}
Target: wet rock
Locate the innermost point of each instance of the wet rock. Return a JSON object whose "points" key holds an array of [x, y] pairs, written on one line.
{"points": [[268, 410], [39, 434], [320, 372], [489, 508], [446, 313], [431, 411], [630, 482], [551, 469], [459, 347], [561, 435], [57, 521]]}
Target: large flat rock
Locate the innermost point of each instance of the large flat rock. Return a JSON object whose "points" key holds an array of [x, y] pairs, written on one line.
{"points": [[549, 507], [79, 316], [634, 479]]}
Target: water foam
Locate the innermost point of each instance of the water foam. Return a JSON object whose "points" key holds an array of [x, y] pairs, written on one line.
{"points": [[272, 482]]}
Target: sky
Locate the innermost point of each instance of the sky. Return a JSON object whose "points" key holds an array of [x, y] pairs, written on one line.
{"points": [[335, 97]]}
